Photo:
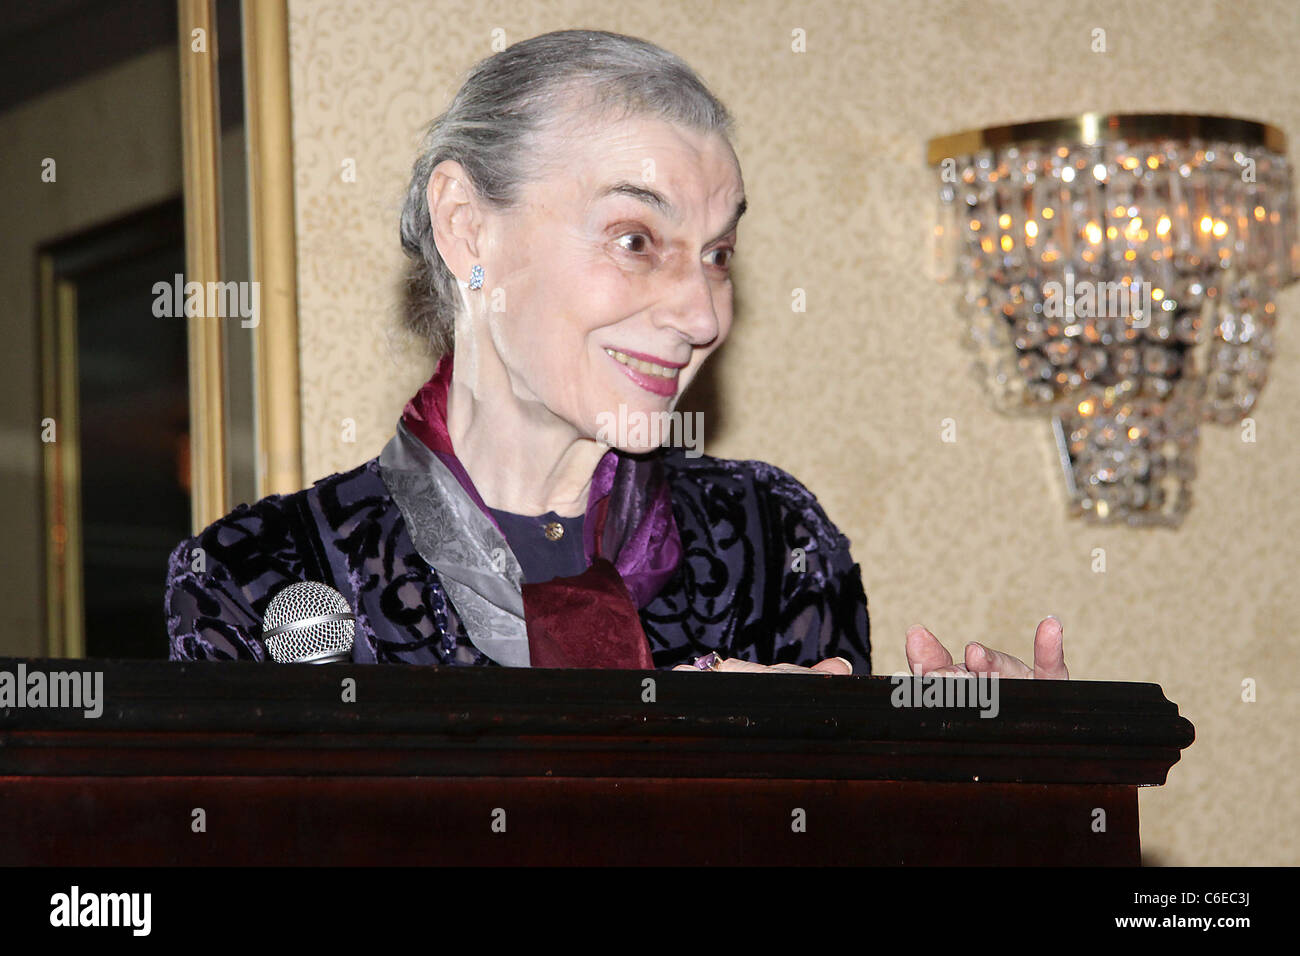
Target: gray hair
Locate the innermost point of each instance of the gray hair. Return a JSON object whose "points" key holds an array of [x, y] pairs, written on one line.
{"points": [[504, 101]]}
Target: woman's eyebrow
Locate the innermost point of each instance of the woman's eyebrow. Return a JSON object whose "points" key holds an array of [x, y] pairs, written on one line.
{"points": [[735, 219], [644, 194], [660, 202]]}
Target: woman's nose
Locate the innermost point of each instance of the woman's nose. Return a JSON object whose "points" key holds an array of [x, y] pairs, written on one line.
{"points": [[688, 306]]}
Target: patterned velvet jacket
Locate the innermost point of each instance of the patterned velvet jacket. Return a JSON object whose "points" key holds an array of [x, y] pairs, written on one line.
{"points": [[764, 575]]}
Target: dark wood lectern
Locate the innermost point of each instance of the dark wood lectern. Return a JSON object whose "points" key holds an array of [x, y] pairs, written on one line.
{"points": [[235, 763]]}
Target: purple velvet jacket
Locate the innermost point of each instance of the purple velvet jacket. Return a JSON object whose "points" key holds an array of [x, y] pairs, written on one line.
{"points": [[764, 575]]}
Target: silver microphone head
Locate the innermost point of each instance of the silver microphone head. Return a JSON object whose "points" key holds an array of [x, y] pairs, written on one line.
{"points": [[309, 623]]}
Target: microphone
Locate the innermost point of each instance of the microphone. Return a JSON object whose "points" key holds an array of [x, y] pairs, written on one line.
{"points": [[309, 623]]}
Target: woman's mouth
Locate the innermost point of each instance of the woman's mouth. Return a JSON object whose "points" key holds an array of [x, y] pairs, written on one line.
{"points": [[655, 378]]}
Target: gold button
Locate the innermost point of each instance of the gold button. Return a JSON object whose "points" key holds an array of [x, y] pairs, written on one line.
{"points": [[554, 531]]}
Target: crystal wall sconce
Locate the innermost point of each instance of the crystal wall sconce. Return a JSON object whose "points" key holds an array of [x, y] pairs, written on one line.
{"points": [[1119, 273]]}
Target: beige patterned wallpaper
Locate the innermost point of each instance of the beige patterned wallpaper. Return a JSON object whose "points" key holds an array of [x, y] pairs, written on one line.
{"points": [[969, 538]]}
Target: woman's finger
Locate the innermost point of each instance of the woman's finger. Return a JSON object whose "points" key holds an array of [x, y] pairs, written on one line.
{"points": [[952, 670], [1049, 651], [734, 665], [985, 660], [924, 651], [833, 665]]}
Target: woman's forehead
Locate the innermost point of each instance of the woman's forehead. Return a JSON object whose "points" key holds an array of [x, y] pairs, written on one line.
{"points": [[664, 157]]}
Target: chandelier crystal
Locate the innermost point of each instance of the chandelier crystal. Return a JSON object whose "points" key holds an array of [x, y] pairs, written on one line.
{"points": [[1120, 274]]}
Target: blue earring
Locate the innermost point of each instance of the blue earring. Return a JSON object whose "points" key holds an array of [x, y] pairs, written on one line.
{"points": [[476, 277]]}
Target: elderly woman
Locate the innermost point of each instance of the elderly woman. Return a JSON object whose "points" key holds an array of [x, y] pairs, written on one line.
{"points": [[573, 222]]}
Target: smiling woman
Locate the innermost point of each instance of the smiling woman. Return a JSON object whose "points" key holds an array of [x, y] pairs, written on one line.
{"points": [[571, 219]]}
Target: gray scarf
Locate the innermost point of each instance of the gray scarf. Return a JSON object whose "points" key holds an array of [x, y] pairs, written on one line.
{"points": [[479, 572]]}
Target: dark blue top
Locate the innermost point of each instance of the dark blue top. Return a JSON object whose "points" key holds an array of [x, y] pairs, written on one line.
{"points": [[540, 557]]}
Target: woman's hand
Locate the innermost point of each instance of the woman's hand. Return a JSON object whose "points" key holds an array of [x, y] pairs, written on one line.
{"points": [[925, 655], [832, 665]]}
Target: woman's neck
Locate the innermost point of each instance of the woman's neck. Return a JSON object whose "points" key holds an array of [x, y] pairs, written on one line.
{"points": [[521, 457]]}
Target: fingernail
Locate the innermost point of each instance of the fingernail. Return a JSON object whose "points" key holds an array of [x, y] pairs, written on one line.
{"points": [[846, 664], [979, 649]]}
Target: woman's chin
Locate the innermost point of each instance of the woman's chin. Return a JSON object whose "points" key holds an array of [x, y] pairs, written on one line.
{"points": [[633, 429], [621, 444], [636, 448]]}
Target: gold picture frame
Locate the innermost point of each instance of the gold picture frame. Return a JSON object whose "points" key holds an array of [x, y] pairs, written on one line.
{"points": [[271, 240], [61, 465]]}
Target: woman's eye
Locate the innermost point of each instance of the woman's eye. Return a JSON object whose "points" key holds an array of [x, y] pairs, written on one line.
{"points": [[722, 257], [635, 242]]}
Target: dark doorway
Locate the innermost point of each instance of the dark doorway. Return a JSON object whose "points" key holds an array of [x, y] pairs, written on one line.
{"points": [[130, 424]]}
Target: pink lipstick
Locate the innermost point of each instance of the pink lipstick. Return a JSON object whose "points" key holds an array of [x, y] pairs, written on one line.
{"points": [[654, 375]]}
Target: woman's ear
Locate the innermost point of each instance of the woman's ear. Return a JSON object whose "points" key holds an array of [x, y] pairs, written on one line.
{"points": [[456, 217]]}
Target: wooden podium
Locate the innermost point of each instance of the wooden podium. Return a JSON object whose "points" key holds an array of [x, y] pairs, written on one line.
{"points": [[241, 763]]}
